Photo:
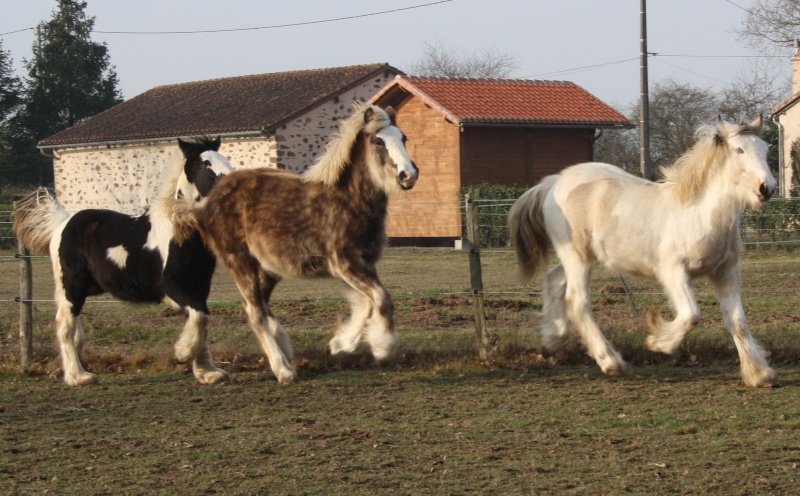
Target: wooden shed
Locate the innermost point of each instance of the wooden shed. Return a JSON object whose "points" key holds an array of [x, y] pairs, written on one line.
{"points": [[464, 132], [115, 159]]}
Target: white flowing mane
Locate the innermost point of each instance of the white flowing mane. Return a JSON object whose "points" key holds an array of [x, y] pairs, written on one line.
{"points": [[690, 173], [329, 167]]}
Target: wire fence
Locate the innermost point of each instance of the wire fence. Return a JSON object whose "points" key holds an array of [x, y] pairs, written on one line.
{"points": [[774, 227]]}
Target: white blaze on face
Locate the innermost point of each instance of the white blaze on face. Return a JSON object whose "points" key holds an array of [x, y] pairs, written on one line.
{"points": [[218, 163], [118, 255], [393, 140]]}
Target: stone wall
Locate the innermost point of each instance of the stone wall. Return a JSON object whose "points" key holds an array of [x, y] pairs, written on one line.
{"points": [[302, 140], [126, 177]]}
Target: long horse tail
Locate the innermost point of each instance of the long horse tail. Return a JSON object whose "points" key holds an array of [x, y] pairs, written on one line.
{"points": [[185, 221], [527, 230], [36, 217]]}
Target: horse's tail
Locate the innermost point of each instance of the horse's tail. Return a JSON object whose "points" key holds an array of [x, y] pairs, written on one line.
{"points": [[35, 219], [185, 221], [527, 230]]}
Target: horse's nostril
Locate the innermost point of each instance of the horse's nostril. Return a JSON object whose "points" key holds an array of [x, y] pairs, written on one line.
{"points": [[765, 190], [403, 175]]}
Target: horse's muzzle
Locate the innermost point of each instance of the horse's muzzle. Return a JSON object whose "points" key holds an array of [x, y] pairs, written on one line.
{"points": [[765, 192], [408, 180]]}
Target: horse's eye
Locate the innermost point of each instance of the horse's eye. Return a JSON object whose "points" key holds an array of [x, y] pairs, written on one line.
{"points": [[739, 151], [378, 141]]}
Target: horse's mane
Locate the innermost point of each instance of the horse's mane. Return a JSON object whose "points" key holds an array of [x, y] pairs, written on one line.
{"points": [[690, 172], [330, 165]]}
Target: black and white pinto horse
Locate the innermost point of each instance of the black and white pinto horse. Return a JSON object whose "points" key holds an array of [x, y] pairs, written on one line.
{"points": [[132, 258]]}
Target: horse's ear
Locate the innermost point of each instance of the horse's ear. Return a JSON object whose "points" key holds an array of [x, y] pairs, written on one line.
{"points": [[185, 147], [392, 115], [215, 144], [368, 114]]}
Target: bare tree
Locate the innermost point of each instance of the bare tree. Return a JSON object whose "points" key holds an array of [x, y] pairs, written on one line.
{"points": [[676, 110], [771, 26], [755, 90], [438, 60]]}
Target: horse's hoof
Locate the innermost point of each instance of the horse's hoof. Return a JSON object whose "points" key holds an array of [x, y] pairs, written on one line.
{"points": [[288, 380], [81, 380], [218, 376]]}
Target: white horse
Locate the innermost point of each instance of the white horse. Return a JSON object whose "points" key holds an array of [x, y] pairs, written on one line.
{"points": [[673, 231]]}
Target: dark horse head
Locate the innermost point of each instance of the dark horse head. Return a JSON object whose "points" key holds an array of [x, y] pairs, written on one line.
{"points": [[204, 166]]}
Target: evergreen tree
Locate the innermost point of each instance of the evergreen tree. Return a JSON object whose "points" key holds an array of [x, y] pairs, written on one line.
{"points": [[69, 79], [10, 99]]}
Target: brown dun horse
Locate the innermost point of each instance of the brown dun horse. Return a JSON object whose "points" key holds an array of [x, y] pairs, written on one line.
{"points": [[268, 224]]}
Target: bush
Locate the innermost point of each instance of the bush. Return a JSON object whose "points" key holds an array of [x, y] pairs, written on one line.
{"points": [[494, 201]]}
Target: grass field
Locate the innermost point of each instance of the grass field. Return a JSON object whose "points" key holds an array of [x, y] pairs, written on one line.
{"points": [[439, 422]]}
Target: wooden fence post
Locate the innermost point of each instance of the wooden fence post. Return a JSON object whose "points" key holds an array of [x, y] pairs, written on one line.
{"points": [[487, 343], [25, 306]]}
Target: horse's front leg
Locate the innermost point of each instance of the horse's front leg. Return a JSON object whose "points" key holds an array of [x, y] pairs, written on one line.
{"points": [[349, 334], [193, 346], [380, 333], [755, 370], [665, 336]]}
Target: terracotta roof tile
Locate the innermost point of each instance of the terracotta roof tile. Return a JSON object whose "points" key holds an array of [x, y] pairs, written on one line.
{"points": [[509, 101], [227, 105]]}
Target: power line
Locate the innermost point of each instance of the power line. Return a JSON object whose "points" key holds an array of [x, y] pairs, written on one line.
{"points": [[17, 31], [576, 69], [276, 26]]}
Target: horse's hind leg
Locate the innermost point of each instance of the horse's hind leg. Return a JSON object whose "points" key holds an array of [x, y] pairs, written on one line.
{"points": [[255, 287], [349, 333], [80, 338], [579, 307], [193, 345], [66, 324], [755, 370], [553, 325]]}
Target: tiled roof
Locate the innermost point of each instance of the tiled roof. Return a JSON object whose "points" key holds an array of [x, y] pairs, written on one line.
{"points": [[507, 101], [784, 105], [217, 106]]}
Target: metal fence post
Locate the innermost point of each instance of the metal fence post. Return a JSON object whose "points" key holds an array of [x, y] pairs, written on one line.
{"points": [[487, 343]]}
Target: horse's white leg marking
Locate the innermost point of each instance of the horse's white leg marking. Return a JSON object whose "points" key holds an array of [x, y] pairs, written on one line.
{"points": [[281, 337], [193, 345], [381, 334], [349, 334], [756, 372], [260, 325], [579, 307], [118, 255], [553, 326], [71, 338], [74, 373], [665, 337]]}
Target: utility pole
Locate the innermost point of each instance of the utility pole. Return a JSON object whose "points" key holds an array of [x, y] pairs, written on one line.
{"points": [[644, 96]]}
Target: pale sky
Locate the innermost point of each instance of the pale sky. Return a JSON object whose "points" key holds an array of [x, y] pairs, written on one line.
{"points": [[593, 43]]}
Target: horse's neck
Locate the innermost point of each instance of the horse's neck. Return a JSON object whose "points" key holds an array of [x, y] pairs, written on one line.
{"points": [[716, 205]]}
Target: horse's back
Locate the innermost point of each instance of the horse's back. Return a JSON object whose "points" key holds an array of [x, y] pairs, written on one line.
{"points": [[602, 213], [103, 251]]}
